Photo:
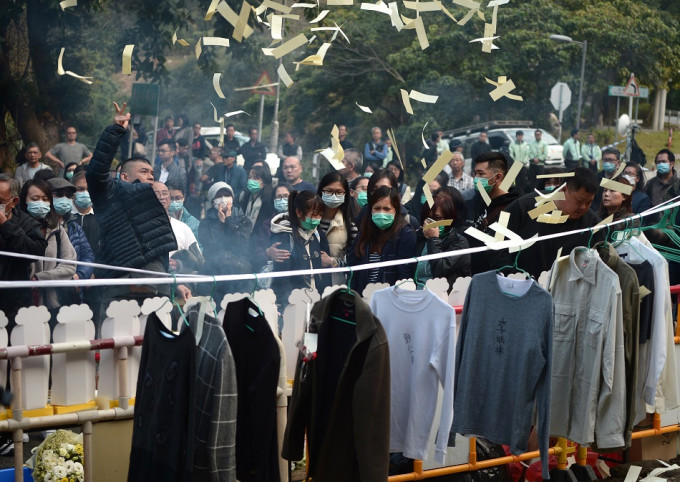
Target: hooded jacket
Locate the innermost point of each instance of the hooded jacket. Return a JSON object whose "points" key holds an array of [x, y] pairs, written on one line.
{"points": [[343, 396], [304, 254], [134, 228]]}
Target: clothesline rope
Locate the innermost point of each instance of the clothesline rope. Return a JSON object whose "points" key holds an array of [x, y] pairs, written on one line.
{"points": [[180, 279]]}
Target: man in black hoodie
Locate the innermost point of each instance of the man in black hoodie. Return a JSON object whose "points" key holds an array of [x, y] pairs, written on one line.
{"points": [[490, 168]]}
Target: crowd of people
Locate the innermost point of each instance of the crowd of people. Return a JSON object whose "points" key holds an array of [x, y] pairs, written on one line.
{"points": [[194, 210]]}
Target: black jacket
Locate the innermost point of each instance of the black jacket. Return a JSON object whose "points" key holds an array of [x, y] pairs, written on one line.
{"points": [[134, 228], [450, 268], [252, 153], [226, 251], [343, 396], [19, 234]]}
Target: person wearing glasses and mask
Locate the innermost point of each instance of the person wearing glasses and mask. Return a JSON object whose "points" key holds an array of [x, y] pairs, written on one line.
{"points": [[169, 171], [611, 159], [336, 221]]}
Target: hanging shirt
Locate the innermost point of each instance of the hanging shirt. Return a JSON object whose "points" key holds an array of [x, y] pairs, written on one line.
{"points": [[257, 359], [422, 352], [657, 383], [645, 274], [588, 374], [214, 402], [162, 435], [503, 359]]}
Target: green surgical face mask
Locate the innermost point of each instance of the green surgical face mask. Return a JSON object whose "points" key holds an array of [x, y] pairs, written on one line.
{"points": [[550, 188], [309, 224], [442, 230], [383, 220], [485, 183], [423, 199], [69, 175], [362, 198], [254, 186]]}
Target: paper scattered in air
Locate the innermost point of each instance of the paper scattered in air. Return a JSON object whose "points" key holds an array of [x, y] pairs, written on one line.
{"points": [[68, 4], [253, 87], [394, 16], [423, 6], [503, 219], [320, 17], [542, 209], [420, 32], [211, 10], [560, 174], [554, 217], [428, 195], [484, 238], [503, 89], [277, 27], [180, 41], [61, 71], [303, 5], [240, 27], [437, 166], [216, 85], [236, 112], [317, 59], [603, 223], [620, 170], [483, 193], [445, 10], [496, 3], [215, 117], [530, 242], [422, 135], [230, 16], [346, 3], [364, 108], [436, 224], [407, 103], [510, 176], [335, 29], [380, 7], [420, 97], [283, 75], [127, 59], [395, 147], [287, 47], [504, 232], [616, 186], [198, 49]]}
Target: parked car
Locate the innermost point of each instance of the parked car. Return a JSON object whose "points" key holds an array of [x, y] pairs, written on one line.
{"points": [[500, 135], [212, 138]]}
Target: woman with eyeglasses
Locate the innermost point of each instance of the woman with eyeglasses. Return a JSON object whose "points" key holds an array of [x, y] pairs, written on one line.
{"points": [[264, 251], [336, 221]]}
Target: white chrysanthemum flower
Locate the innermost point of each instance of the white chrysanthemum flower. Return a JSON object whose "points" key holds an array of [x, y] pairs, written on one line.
{"points": [[78, 467], [60, 471]]}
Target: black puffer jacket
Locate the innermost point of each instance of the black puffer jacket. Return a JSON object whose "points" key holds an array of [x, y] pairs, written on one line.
{"points": [[450, 268], [134, 228], [19, 234]]}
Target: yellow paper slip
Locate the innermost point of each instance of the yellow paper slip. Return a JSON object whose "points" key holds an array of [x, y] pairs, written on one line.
{"points": [[340, 2], [180, 41], [530, 242], [482, 192], [216, 85], [364, 108], [287, 47], [505, 232], [283, 75], [68, 4], [420, 97], [437, 167], [235, 112], [127, 59], [240, 27], [542, 209], [380, 7], [211, 10], [603, 223], [436, 224], [555, 196], [503, 219], [406, 101], [422, 136], [616, 186], [423, 6], [428, 195], [560, 174], [393, 139], [554, 217], [320, 17], [467, 4], [510, 176], [484, 238], [230, 16]]}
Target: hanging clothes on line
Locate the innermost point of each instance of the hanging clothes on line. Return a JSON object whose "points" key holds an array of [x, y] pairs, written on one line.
{"points": [[503, 363], [163, 431], [257, 361], [630, 305], [215, 399], [422, 352], [657, 387], [341, 395], [588, 373]]}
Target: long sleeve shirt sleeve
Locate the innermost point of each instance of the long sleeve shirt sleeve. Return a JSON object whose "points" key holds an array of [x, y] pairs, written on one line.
{"points": [[538, 150], [379, 152]]}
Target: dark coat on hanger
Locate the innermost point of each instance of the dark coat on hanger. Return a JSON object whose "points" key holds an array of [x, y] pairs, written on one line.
{"points": [[349, 429]]}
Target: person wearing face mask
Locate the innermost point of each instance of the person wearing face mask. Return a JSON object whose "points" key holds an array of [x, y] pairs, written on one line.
{"points": [[177, 210], [549, 184], [415, 205], [358, 190], [611, 159], [297, 232], [62, 199], [83, 214], [224, 235], [19, 233], [336, 222], [665, 185], [264, 251], [36, 200], [489, 169], [641, 202], [384, 235], [70, 170], [617, 204], [448, 205], [257, 201]]}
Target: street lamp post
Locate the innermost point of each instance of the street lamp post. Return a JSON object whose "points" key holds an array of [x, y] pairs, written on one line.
{"points": [[584, 45]]}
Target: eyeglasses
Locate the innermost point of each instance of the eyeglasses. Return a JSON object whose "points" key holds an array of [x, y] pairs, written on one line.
{"points": [[176, 198], [162, 195], [282, 196], [331, 193], [609, 159], [163, 151]]}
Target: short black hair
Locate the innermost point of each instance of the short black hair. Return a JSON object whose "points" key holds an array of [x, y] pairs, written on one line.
{"points": [[613, 151], [583, 178], [574, 132], [496, 160], [176, 187], [167, 142], [519, 133], [124, 164], [44, 174], [671, 156], [182, 143]]}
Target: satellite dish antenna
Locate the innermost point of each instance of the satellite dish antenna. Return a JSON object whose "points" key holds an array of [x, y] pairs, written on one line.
{"points": [[623, 124]]}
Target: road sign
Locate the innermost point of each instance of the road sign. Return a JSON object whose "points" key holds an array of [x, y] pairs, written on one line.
{"points": [[265, 82], [632, 88], [560, 96], [617, 91]]}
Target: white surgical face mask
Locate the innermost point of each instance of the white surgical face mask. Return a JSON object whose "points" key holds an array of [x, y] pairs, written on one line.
{"points": [[220, 200]]}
